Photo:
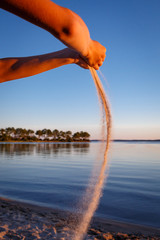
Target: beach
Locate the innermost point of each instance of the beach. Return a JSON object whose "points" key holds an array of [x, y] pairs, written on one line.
{"points": [[20, 220]]}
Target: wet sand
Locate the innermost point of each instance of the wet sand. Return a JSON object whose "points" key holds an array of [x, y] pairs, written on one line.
{"points": [[25, 221]]}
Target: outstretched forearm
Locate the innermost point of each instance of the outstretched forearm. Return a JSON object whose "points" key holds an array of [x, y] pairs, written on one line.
{"points": [[64, 24], [15, 68]]}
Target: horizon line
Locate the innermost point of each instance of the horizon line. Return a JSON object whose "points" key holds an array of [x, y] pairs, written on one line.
{"points": [[125, 140]]}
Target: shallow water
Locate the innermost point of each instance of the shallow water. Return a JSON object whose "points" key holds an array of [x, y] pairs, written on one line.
{"points": [[56, 175]]}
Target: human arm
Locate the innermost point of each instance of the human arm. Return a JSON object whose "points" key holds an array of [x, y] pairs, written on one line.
{"points": [[15, 68], [61, 22]]}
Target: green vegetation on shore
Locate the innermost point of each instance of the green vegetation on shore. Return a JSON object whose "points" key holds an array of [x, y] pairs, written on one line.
{"points": [[12, 134]]}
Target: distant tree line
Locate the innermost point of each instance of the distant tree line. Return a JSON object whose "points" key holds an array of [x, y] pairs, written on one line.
{"points": [[28, 135]]}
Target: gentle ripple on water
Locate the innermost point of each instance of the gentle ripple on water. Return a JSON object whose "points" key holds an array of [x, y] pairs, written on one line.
{"points": [[56, 175]]}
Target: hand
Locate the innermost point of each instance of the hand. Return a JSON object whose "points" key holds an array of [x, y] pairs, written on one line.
{"points": [[80, 62], [77, 59], [96, 54]]}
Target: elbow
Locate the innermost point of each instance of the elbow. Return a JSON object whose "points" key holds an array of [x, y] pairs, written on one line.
{"points": [[69, 26], [74, 33], [72, 25]]}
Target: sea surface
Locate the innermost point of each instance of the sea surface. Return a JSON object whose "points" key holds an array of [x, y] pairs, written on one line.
{"points": [[56, 175]]}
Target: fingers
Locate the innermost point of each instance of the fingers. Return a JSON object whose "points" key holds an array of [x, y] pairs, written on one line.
{"points": [[103, 56], [82, 63], [97, 55], [99, 63]]}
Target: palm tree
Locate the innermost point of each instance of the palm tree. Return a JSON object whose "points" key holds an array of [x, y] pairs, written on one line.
{"points": [[3, 135], [39, 133], [18, 133], [68, 136], [24, 134], [55, 134], [86, 136], [76, 136], [48, 133], [2, 131], [11, 133], [62, 135], [44, 133], [30, 132], [69, 133]]}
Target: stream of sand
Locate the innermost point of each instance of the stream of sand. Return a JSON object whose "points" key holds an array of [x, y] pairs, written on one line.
{"points": [[93, 192]]}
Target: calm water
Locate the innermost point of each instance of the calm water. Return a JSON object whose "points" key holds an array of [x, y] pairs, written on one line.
{"points": [[56, 175]]}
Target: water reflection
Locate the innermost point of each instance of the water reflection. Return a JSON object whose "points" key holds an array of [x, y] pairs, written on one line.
{"points": [[56, 174], [13, 149]]}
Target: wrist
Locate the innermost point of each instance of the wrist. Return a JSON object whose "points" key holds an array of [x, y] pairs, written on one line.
{"points": [[86, 55], [72, 55]]}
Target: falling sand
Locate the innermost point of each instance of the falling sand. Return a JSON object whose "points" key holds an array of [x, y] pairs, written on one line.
{"points": [[93, 193]]}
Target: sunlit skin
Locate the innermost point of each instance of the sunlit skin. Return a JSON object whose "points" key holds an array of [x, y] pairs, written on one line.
{"points": [[63, 24], [15, 68]]}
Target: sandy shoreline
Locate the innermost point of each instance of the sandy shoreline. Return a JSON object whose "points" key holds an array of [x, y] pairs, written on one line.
{"points": [[20, 220]]}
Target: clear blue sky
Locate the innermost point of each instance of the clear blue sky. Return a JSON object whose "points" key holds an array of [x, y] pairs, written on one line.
{"points": [[65, 98]]}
